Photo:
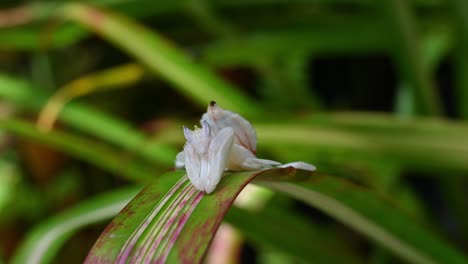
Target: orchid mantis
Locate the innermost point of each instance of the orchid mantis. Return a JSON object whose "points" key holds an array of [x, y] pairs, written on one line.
{"points": [[226, 141]]}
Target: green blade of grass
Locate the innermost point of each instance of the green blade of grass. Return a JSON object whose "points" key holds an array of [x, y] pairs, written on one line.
{"points": [[416, 150], [435, 47], [423, 143], [459, 9], [273, 227], [87, 119], [31, 33], [116, 77], [255, 47], [161, 57], [454, 191], [371, 216], [409, 56], [44, 241], [34, 38], [91, 151]]}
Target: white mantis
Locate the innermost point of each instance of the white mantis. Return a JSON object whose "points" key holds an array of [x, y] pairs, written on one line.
{"points": [[226, 141]]}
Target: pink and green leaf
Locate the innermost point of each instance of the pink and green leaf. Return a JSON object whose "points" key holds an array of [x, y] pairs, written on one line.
{"points": [[173, 222], [149, 228]]}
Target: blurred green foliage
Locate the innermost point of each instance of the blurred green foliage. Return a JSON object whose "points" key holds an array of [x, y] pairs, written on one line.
{"points": [[304, 72]]}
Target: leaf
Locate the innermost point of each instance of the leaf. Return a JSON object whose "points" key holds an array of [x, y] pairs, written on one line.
{"points": [[171, 221], [459, 9], [256, 47], [116, 77], [161, 57], [33, 38], [408, 55], [89, 120], [93, 152], [149, 228], [43, 241], [373, 217], [291, 234], [424, 143], [8, 180]]}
